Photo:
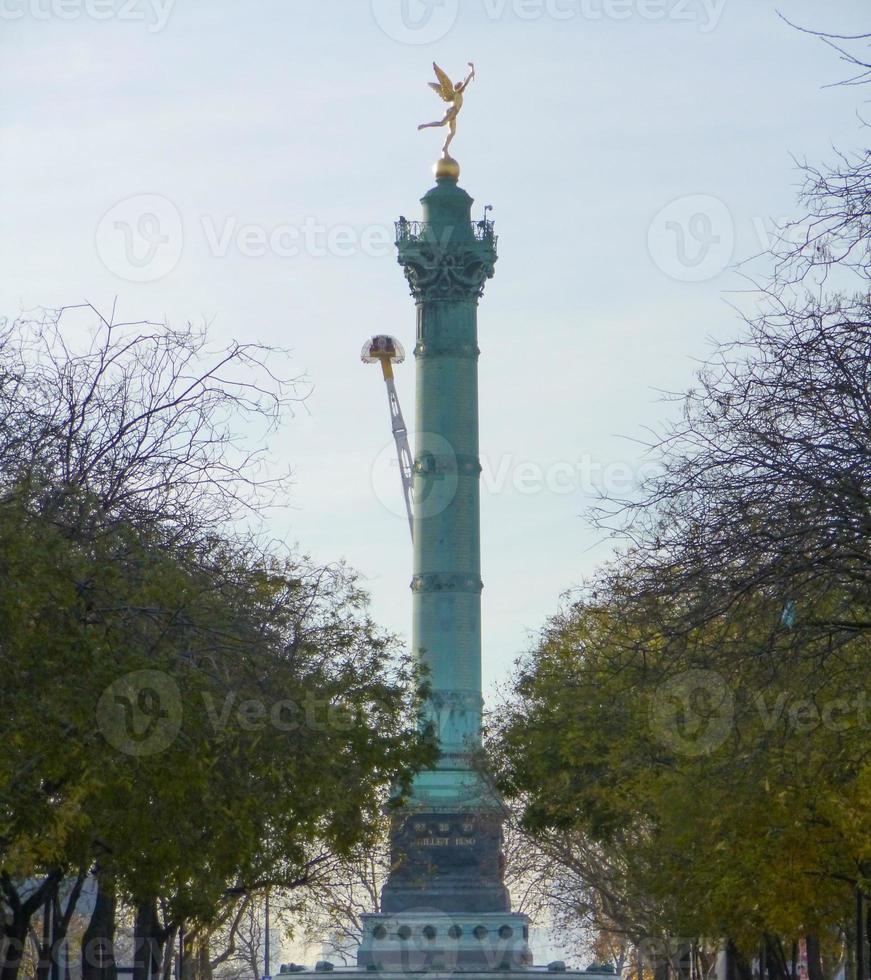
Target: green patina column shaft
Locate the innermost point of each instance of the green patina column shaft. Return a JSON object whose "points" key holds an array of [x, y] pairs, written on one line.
{"points": [[447, 259]]}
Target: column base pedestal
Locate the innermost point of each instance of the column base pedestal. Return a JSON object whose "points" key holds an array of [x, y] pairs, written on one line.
{"points": [[433, 941], [556, 971], [446, 860]]}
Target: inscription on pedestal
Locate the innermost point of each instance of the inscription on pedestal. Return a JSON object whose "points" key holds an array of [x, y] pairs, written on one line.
{"points": [[452, 862]]}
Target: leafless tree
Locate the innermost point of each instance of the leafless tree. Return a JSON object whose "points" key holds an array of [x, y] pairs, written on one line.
{"points": [[846, 46], [765, 485], [150, 421], [329, 911], [830, 240]]}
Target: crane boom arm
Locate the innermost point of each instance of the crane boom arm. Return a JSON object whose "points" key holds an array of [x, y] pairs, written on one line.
{"points": [[403, 450]]}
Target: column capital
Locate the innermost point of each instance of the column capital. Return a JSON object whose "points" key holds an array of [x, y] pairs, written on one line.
{"points": [[438, 272]]}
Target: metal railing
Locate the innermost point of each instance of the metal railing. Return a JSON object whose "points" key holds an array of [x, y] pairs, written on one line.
{"points": [[419, 231]]}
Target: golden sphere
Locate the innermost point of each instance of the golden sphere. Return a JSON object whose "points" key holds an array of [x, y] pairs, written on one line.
{"points": [[447, 168]]}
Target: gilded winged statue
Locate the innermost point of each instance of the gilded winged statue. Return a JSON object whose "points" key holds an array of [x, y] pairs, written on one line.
{"points": [[452, 94]]}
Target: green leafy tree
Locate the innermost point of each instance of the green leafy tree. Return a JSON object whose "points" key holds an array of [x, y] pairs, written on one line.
{"points": [[701, 762], [213, 716], [698, 715]]}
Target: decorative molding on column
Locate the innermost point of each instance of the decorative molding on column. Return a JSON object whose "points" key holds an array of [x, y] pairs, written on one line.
{"points": [[467, 351], [434, 464], [446, 582]]}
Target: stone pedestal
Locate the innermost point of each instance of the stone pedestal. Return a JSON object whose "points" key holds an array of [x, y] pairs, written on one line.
{"points": [[451, 861], [431, 941], [427, 966]]}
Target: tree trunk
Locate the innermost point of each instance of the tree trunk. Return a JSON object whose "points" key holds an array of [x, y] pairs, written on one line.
{"points": [[13, 952], [148, 941], [60, 927], [188, 956], [184, 955], [204, 963], [17, 924], [738, 967], [661, 968], [814, 958], [98, 942], [707, 963], [168, 953], [775, 959], [731, 970], [848, 934], [44, 959]]}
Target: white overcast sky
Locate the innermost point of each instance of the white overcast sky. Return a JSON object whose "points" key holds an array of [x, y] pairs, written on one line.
{"points": [[631, 149]]}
